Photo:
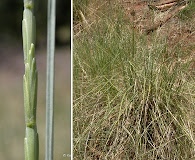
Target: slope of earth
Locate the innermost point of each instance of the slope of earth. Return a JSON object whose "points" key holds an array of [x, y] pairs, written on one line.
{"points": [[165, 17]]}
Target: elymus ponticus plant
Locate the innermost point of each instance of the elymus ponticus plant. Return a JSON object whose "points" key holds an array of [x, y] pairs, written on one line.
{"points": [[31, 142]]}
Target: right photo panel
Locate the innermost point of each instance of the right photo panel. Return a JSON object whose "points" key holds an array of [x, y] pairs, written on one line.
{"points": [[133, 80]]}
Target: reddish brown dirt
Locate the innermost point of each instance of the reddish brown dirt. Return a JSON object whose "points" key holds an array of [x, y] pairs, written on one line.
{"points": [[176, 31]]}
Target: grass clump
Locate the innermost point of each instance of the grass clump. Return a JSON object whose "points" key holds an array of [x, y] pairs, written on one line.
{"points": [[130, 102]]}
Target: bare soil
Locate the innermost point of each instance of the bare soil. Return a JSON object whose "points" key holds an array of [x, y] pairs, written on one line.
{"points": [[164, 21]]}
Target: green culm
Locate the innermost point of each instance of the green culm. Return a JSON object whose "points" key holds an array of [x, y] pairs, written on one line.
{"points": [[31, 142]]}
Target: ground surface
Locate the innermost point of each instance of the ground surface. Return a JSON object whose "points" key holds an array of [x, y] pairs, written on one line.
{"points": [[167, 22]]}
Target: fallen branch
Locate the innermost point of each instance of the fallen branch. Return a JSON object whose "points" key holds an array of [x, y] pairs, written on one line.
{"points": [[167, 2], [164, 20], [163, 6]]}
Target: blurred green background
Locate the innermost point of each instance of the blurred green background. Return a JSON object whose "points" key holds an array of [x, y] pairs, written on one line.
{"points": [[12, 127]]}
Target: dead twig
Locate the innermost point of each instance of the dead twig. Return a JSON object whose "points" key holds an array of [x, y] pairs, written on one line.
{"points": [[165, 5], [164, 20]]}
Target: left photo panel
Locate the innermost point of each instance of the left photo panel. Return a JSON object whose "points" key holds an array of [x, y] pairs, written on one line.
{"points": [[29, 32]]}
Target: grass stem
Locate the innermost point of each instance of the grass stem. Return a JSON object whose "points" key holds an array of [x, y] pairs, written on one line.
{"points": [[50, 78]]}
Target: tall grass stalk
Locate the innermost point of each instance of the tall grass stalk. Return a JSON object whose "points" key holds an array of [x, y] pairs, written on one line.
{"points": [[31, 142], [50, 78]]}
